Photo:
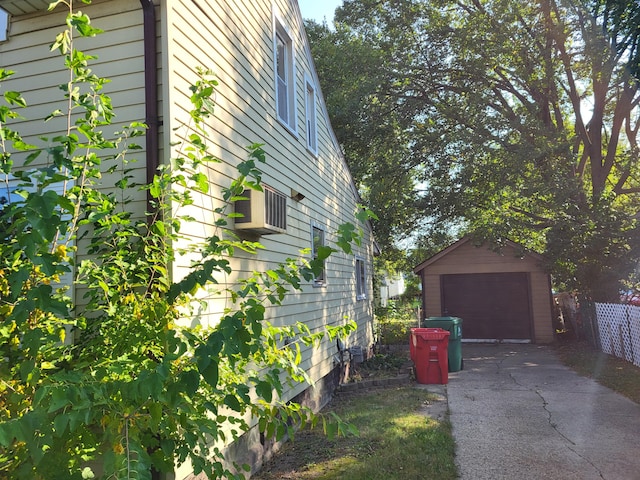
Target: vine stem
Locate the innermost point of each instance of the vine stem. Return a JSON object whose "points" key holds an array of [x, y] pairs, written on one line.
{"points": [[126, 440]]}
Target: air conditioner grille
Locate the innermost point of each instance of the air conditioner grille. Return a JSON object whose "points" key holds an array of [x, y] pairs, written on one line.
{"points": [[263, 212], [275, 209]]}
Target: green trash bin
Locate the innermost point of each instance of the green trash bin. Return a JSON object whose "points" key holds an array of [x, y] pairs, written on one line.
{"points": [[454, 326]]}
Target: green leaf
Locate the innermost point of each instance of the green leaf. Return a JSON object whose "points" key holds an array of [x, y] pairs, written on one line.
{"points": [[60, 423], [323, 252], [15, 98], [233, 403], [61, 397], [201, 181], [82, 24], [53, 4], [210, 373], [7, 432], [155, 411], [191, 381], [330, 428], [264, 390]]}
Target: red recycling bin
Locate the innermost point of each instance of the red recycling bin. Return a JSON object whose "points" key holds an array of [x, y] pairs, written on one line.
{"points": [[429, 352]]}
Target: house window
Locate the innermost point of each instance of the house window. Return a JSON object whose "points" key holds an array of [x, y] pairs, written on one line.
{"points": [[285, 78], [361, 279], [4, 25], [310, 108], [317, 242]]}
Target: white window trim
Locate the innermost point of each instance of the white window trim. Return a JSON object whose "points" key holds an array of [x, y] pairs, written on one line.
{"points": [[281, 30], [361, 278], [319, 282], [311, 116]]}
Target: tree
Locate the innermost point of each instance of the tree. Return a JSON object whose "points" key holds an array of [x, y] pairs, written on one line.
{"points": [[374, 141], [520, 121], [621, 22]]}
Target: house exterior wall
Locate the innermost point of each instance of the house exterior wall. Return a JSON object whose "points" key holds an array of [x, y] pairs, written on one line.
{"points": [[234, 39], [467, 259], [38, 71]]}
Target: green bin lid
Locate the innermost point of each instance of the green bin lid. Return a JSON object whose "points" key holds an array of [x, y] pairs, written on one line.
{"points": [[445, 319]]}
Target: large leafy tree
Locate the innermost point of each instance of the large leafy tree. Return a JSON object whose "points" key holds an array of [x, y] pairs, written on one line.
{"points": [[520, 121], [621, 20], [374, 139]]}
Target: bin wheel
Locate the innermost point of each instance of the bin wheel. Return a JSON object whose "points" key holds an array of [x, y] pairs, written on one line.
{"points": [[462, 364]]}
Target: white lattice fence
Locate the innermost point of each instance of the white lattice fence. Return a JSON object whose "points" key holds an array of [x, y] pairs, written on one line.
{"points": [[619, 327]]}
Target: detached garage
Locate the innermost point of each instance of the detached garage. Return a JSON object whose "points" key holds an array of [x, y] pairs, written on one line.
{"points": [[503, 296]]}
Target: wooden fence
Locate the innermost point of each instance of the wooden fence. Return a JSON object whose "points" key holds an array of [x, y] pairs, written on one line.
{"points": [[619, 330]]}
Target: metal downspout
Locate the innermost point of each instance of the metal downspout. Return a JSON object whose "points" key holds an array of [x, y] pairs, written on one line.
{"points": [[151, 92], [151, 110]]}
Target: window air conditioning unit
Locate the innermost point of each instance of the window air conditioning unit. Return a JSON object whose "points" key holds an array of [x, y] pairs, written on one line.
{"points": [[262, 212]]}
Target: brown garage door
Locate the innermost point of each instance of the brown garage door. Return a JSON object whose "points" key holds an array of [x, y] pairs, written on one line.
{"points": [[491, 305]]}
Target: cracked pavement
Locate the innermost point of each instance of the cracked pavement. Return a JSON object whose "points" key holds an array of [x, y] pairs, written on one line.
{"points": [[518, 413]]}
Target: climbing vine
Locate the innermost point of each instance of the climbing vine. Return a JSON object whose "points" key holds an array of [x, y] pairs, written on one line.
{"points": [[114, 385]]}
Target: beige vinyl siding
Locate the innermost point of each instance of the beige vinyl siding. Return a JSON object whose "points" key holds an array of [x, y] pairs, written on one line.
{"points": [[542, 308], [21, 7], [471, 259], [39, 72], [235, 40]]}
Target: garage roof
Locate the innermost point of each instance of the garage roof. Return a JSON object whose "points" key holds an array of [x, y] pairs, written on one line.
{"points": [[465, 240]]}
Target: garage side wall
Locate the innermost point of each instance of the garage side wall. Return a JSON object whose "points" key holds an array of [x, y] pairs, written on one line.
{"points": [[469, 259]]}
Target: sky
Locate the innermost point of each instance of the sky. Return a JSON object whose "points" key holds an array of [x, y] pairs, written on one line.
{"points": [[319, 9]]}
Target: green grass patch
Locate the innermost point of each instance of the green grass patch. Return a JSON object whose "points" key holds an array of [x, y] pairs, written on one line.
{"points": [[395, 441], [614, 373]]}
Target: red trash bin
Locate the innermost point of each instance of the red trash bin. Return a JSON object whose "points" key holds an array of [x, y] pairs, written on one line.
{"points": [[428, 348]]}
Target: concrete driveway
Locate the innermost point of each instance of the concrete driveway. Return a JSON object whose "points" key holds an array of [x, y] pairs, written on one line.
{"points": [[517, 413]]}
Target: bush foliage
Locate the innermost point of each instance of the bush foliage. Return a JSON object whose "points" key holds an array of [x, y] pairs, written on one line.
{"points": [[118, 380]]}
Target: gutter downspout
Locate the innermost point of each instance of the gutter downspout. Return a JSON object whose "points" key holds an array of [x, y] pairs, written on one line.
{"points": [[150, 93], [151, 111]]}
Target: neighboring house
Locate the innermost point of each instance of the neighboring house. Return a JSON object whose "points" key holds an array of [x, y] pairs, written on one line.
{"points": [[503, 296], [392, 287], [268, 93]]}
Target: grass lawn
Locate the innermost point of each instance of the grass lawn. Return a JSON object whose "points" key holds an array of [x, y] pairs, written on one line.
{"points": [[617, 374], [398, 442], [395, 441]]}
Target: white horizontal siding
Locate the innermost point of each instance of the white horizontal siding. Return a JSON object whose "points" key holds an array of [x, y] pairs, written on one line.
{"points": [[39, 72], [235, 40]]}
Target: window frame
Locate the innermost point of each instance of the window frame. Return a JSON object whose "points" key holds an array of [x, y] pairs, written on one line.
{"points": [[361, 278], [311, 115], [285, 84], [320, 280]]}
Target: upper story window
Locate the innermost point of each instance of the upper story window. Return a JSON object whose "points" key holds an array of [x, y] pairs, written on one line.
{"points": [[361, 279], [285, 75], [317, 241], [310, 110]]}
